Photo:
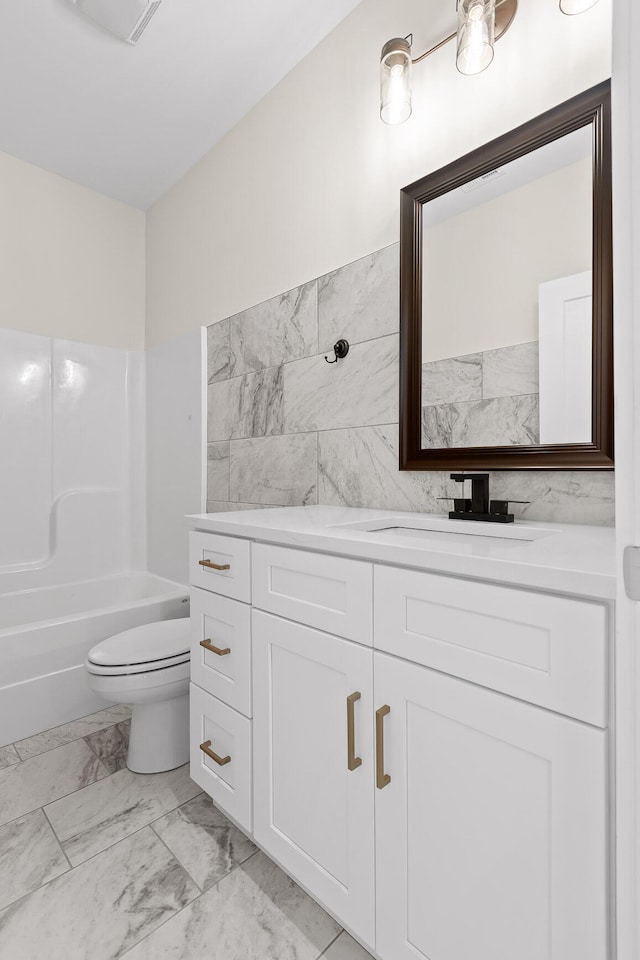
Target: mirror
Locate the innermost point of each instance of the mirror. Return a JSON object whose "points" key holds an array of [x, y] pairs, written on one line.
{"points": [[506, 302]]}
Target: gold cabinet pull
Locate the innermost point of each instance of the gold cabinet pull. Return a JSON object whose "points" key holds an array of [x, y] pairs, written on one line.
{"points": [[217, 650], [210, 565], [206, 748], [382, 778], [353, 762]]}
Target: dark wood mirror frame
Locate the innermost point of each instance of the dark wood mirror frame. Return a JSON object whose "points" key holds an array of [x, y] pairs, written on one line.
{"points": [[592, 107]]}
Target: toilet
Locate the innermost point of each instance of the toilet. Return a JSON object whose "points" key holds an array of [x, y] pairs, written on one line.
{"points": [[148, 667]]}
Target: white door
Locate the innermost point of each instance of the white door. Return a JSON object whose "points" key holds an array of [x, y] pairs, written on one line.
{"points": [[565, 359], [491, 829], [626, 249], [313, 764]]}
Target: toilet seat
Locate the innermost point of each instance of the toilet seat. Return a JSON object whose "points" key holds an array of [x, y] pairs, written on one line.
{"points": [[129, 669], [145, 649]]}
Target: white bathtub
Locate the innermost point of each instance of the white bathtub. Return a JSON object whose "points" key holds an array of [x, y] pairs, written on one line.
{"points": [[46, 633]]}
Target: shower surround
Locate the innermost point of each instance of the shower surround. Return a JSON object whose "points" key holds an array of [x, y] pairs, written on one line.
{"points": [[72, 508]]}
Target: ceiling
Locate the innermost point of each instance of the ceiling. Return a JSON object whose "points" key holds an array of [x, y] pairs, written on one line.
{"points": [[129, 121]]}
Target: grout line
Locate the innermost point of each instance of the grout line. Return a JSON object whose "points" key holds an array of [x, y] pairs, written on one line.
{"points": [[329, 945], [94, 857], [64, 795], [111, 723], [87, 738], [14, 763], [305, 433], [58, 840], [316, 285], [138, 829], [149, 823], [186, 906], [178, 807], [310, 356], [175, 856], [116, 843], [460, 403], [362, 426], [99, 853]]}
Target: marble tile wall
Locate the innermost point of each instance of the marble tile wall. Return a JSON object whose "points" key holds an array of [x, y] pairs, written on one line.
{"points": [[286, 429]]}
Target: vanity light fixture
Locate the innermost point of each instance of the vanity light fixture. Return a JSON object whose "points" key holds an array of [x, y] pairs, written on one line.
{"points": [[480, 24]]}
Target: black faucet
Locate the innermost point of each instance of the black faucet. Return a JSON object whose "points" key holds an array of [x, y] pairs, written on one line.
{"points": [[479, 507], [479, 491]]}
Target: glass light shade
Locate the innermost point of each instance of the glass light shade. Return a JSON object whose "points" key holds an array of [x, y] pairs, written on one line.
{"points": [[476, 35], [571, 7], [395, 81]]}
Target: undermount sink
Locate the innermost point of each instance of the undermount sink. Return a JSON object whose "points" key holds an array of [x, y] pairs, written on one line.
{"points": [[435, 530]]}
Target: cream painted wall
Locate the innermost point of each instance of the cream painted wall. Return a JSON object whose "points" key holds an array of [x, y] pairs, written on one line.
{"points": [[309, 179], [482, 268], [72, 261]]}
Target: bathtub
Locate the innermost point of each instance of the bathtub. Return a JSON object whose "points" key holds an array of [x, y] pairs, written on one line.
{"points": [[46, 633]]}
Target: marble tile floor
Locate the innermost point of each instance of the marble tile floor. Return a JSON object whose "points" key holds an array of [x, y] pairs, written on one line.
{"points": [[98, 863]]}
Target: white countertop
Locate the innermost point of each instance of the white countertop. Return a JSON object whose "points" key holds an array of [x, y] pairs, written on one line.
{"points": [[563, 558]]}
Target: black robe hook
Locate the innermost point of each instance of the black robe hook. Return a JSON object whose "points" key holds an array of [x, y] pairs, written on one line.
{"points": [[341, 349]]}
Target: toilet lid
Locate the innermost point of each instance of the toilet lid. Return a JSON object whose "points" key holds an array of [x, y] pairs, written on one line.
{"points": [[149, 643]]}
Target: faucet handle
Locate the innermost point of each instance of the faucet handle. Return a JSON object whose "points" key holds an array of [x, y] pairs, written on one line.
{"points": [[461, 477], [460, 504], [501, 507]]}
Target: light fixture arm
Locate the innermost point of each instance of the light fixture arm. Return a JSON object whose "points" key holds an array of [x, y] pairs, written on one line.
{"points": [[427, 53]]}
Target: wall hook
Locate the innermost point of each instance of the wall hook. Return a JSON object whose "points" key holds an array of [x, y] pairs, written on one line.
{"points": [[341, 349]]}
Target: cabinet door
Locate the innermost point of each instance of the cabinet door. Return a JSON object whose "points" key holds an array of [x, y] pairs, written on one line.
{"points": [[491, 832], [313, 800]]}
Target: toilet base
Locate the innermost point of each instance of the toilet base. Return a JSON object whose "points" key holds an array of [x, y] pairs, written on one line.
{"points": [[159, 737]]}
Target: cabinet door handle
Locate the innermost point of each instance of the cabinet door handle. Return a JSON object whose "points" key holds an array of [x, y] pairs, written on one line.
{"points": [[206, 748], [382, 778], [353, 762], [210, 565], [217, 650]]}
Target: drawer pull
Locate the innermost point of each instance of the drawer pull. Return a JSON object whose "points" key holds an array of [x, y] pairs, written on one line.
{"points": [[210, 565], [382, 778], [206, 748], [218, 652], [353, 762]]}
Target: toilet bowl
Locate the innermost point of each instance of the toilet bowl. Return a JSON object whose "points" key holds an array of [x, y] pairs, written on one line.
{"points": [[148, 667]]}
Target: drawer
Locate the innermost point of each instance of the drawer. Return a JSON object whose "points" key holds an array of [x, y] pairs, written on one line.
{"points": [[220, 564], [223, 667], [550, 651], [227, 735], [331, 593]]}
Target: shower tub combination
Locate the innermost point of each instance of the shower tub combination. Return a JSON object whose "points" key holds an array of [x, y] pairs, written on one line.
{"points": [[47, 632]]}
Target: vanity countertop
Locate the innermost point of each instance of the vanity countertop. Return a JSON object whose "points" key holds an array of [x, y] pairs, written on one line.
{"points": [[563, 558]]}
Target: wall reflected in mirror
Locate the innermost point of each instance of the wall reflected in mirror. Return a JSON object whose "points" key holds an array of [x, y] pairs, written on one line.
{"points": [[507, 309]]}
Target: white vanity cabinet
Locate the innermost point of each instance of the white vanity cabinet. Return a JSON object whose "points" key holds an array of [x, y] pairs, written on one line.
{"points": [[428, 755]]}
